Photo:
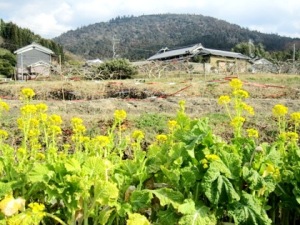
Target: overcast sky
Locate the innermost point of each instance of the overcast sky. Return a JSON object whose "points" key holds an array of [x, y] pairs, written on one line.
{"points": [[50, 18]]}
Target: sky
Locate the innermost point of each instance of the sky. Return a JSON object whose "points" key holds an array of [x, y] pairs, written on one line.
{"points": [[51, 18]]}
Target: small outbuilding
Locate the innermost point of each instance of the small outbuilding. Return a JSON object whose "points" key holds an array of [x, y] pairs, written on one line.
{"points": [[33, 60]]}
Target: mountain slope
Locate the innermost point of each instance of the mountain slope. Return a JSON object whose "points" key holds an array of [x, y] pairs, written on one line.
{"points": [[142, 36]]}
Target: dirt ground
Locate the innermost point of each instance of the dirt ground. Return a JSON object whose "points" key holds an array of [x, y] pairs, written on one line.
{"points": [[96, 101]]}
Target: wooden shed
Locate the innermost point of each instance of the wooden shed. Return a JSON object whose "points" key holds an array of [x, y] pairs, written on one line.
{"points": [[33, 60]]}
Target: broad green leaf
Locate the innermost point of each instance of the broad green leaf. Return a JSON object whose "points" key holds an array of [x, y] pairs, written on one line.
{"points": [[168, 216], [106, 193], [140, 199], [217, 187], [199, 216], [168, 196], [72, 165], [248, 211], [233, 163], [5, 188], [188, 177], [173, 175], [136, 218], [187, 207], [104, 215], [40, 173], [97, 167]]}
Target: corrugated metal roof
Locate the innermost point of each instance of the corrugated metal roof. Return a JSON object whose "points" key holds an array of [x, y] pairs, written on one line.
{"points": [[177, 52], [196, 49], [32, 46], [236, 55]]}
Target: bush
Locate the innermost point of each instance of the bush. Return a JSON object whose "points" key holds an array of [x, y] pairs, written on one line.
{"points": [[117, 69]]}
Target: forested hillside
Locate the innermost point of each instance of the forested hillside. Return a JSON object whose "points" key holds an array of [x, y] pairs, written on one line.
{"points": [[140, 37], [13, 37]]}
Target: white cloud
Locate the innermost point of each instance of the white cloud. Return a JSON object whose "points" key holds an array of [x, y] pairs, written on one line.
{"points": [[51, 18]]}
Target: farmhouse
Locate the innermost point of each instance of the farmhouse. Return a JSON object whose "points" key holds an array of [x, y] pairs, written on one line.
{"points": [[33, 60], [212, 60]]}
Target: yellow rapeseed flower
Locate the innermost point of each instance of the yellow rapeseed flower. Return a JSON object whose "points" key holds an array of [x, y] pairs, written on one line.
{"points": [[172, 124], [252, 133], [138, 134], [41, 107], [10, 206], [223, 99], [37, 207], [28, 109], [292, 136], [76, 121], [237, 121], [3, 106], [240, 93], [236, 83], [248, 108], [212, 157], [27, 93], [55, 119], [103, 140], [120, 115], [295, 117], [40, 156], [161, 137], [3, 134], [279, 110]]}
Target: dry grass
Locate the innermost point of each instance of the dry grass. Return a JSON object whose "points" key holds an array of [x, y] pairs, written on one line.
{"points": [[91, 103]]}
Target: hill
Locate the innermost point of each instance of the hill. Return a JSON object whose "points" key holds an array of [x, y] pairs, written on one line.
{"points": [[140, 37], [13, 37]]}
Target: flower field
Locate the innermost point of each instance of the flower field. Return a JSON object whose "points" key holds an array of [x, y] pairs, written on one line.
{"points": [[187, 175]]}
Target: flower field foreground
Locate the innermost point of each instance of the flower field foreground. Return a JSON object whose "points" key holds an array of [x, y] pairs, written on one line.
{"points": [[186, 176]]}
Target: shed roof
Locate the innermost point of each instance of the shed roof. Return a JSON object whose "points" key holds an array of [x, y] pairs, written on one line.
{"points": [[236, 55], [177, 52], [197, 49], [34, 46]]}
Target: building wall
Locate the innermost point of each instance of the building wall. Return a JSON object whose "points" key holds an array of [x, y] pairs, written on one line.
{"points": [[32, 56], [225, 65]]}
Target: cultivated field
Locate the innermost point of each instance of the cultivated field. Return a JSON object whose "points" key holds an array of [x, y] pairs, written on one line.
{"points": [[95, 101]]}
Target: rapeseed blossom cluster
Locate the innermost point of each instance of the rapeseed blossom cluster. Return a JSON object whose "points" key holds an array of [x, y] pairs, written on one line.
{"points": [[138, 135], [223, 99], [161, 138], [120, 115], [10, 206], [3, 106], [279, 110], [27, 93], [252, 133]]}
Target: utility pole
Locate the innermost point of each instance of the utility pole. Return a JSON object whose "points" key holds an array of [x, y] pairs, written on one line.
{"points": [[114, 42], [294, 53]]}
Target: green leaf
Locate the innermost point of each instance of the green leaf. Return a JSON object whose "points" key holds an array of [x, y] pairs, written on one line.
{"points": [[168, 216], [140, 199], [106, 193], [168, 196], [96, 167], [217, 187], [5, 188], [173, 175], [72, 165], [187, 207], [136, 218], [198, 216], [40, 173], [188, 177], [248, 211], [104, 215]]}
